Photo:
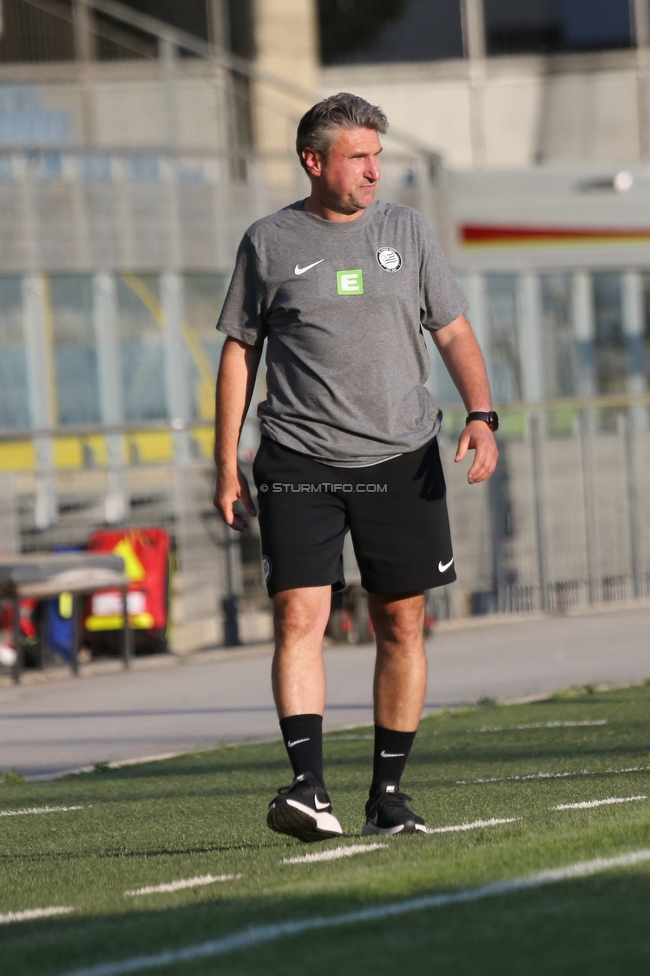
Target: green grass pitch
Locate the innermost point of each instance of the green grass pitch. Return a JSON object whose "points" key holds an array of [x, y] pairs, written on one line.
{"points": [[204, 814]]}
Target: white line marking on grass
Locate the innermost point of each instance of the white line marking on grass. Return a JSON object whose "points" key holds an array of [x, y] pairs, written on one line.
{"points": [[543, 725], [271, 933], [587, 804], [334, 854], [31, 913], [474, 825], [204, 879], [580, 772], [20, 813]]}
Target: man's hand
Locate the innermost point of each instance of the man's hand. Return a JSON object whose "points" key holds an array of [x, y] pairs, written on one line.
{"points": [[478, 437], [232, 486]]}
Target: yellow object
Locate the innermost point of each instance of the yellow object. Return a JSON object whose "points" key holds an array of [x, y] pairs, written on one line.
{"points": [[68, 453], [151, 446], [139, 621], [17, 456], [65, 605], [132, 565]]}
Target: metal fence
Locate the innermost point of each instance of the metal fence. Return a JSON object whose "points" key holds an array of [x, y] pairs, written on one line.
{"points": [[564, 522], [78, 212]]}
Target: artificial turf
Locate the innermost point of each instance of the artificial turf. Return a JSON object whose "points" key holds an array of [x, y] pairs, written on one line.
{"points": [[204, 814]]}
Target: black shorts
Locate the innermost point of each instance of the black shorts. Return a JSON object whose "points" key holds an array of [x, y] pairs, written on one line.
{"points": [[395, 511]]}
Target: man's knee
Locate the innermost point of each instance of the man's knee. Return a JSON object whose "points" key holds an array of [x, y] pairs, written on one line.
{"points": [[301, 613], [398, 621]]}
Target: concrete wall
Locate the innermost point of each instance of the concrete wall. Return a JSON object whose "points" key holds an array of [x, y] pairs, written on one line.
{"points": [[511, 112], [286, 42]]}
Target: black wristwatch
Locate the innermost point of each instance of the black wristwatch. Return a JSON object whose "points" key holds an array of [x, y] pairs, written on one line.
{"points": [[491, 418]]}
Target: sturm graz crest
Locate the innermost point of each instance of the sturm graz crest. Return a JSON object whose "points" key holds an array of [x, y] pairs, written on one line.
{"points": [[266, 568], [390, 259]]}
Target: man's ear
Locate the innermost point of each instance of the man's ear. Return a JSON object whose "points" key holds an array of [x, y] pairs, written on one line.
{"points": [[313, 161]]}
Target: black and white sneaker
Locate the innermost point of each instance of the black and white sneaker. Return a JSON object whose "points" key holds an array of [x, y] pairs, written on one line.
{"points": [[303, 810], [387, 813]]}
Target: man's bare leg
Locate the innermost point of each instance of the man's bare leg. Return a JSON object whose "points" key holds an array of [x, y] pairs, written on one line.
{"points": [[300, 618], [399, 689], [401, 667]]}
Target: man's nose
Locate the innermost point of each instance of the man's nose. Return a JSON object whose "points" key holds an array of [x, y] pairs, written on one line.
{"points": [[373, 170]]}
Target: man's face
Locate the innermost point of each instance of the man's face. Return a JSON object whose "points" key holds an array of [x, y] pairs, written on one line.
{"points": [[346, 177]]}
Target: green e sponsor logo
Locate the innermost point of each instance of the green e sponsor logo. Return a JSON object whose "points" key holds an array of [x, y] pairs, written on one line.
{"points": [[349, 282]]}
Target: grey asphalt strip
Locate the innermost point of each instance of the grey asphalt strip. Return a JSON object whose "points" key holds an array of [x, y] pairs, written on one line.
{"points": [[63, 725]]}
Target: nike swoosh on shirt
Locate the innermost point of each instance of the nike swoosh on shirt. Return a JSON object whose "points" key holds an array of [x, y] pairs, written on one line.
{"points": [[442, 568], [391, 755], [296, 742], [298, 270]]}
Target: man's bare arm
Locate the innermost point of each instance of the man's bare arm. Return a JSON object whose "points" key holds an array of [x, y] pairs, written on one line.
{"points": [[235, 384], [463, 358]]}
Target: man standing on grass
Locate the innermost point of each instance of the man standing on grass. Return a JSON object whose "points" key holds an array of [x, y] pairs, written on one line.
{"points": [[341, 286]]}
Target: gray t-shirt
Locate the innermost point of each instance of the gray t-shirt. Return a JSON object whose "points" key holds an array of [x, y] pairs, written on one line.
{"points": [[342, 305]]}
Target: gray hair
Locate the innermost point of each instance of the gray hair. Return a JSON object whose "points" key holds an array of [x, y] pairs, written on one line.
{"points": [[343, 111]]}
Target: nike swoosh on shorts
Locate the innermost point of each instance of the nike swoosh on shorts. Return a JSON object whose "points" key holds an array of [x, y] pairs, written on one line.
{"points": [[443, 568]]}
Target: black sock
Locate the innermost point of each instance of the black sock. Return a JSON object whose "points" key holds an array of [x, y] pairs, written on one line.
{"points": [[303, 739], [391, 755]]}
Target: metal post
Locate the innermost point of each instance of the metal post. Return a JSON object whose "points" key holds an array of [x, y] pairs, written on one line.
{"points": [[540, 522], [84, 40], [111, 395], [584, 331], [474, 44], [167, 55], [634, 521], [169, 179], [532, 352], [218, 15], [70, 166], [642, 41], [18, 637], [84, 36], [76, 634], [124, 215], [230, 603], [633, 328], [42, 395], [589, 495], [42, 635], [127, 633], [22, 167], [176, 363], [473, 23]]}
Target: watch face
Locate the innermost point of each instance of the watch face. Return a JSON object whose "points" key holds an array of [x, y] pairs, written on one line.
{"points": [[493, 422]]}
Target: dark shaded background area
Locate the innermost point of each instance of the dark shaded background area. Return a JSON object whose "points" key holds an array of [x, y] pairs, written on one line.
{"points": [[370, 31], [548, 26], [351, 31]]}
